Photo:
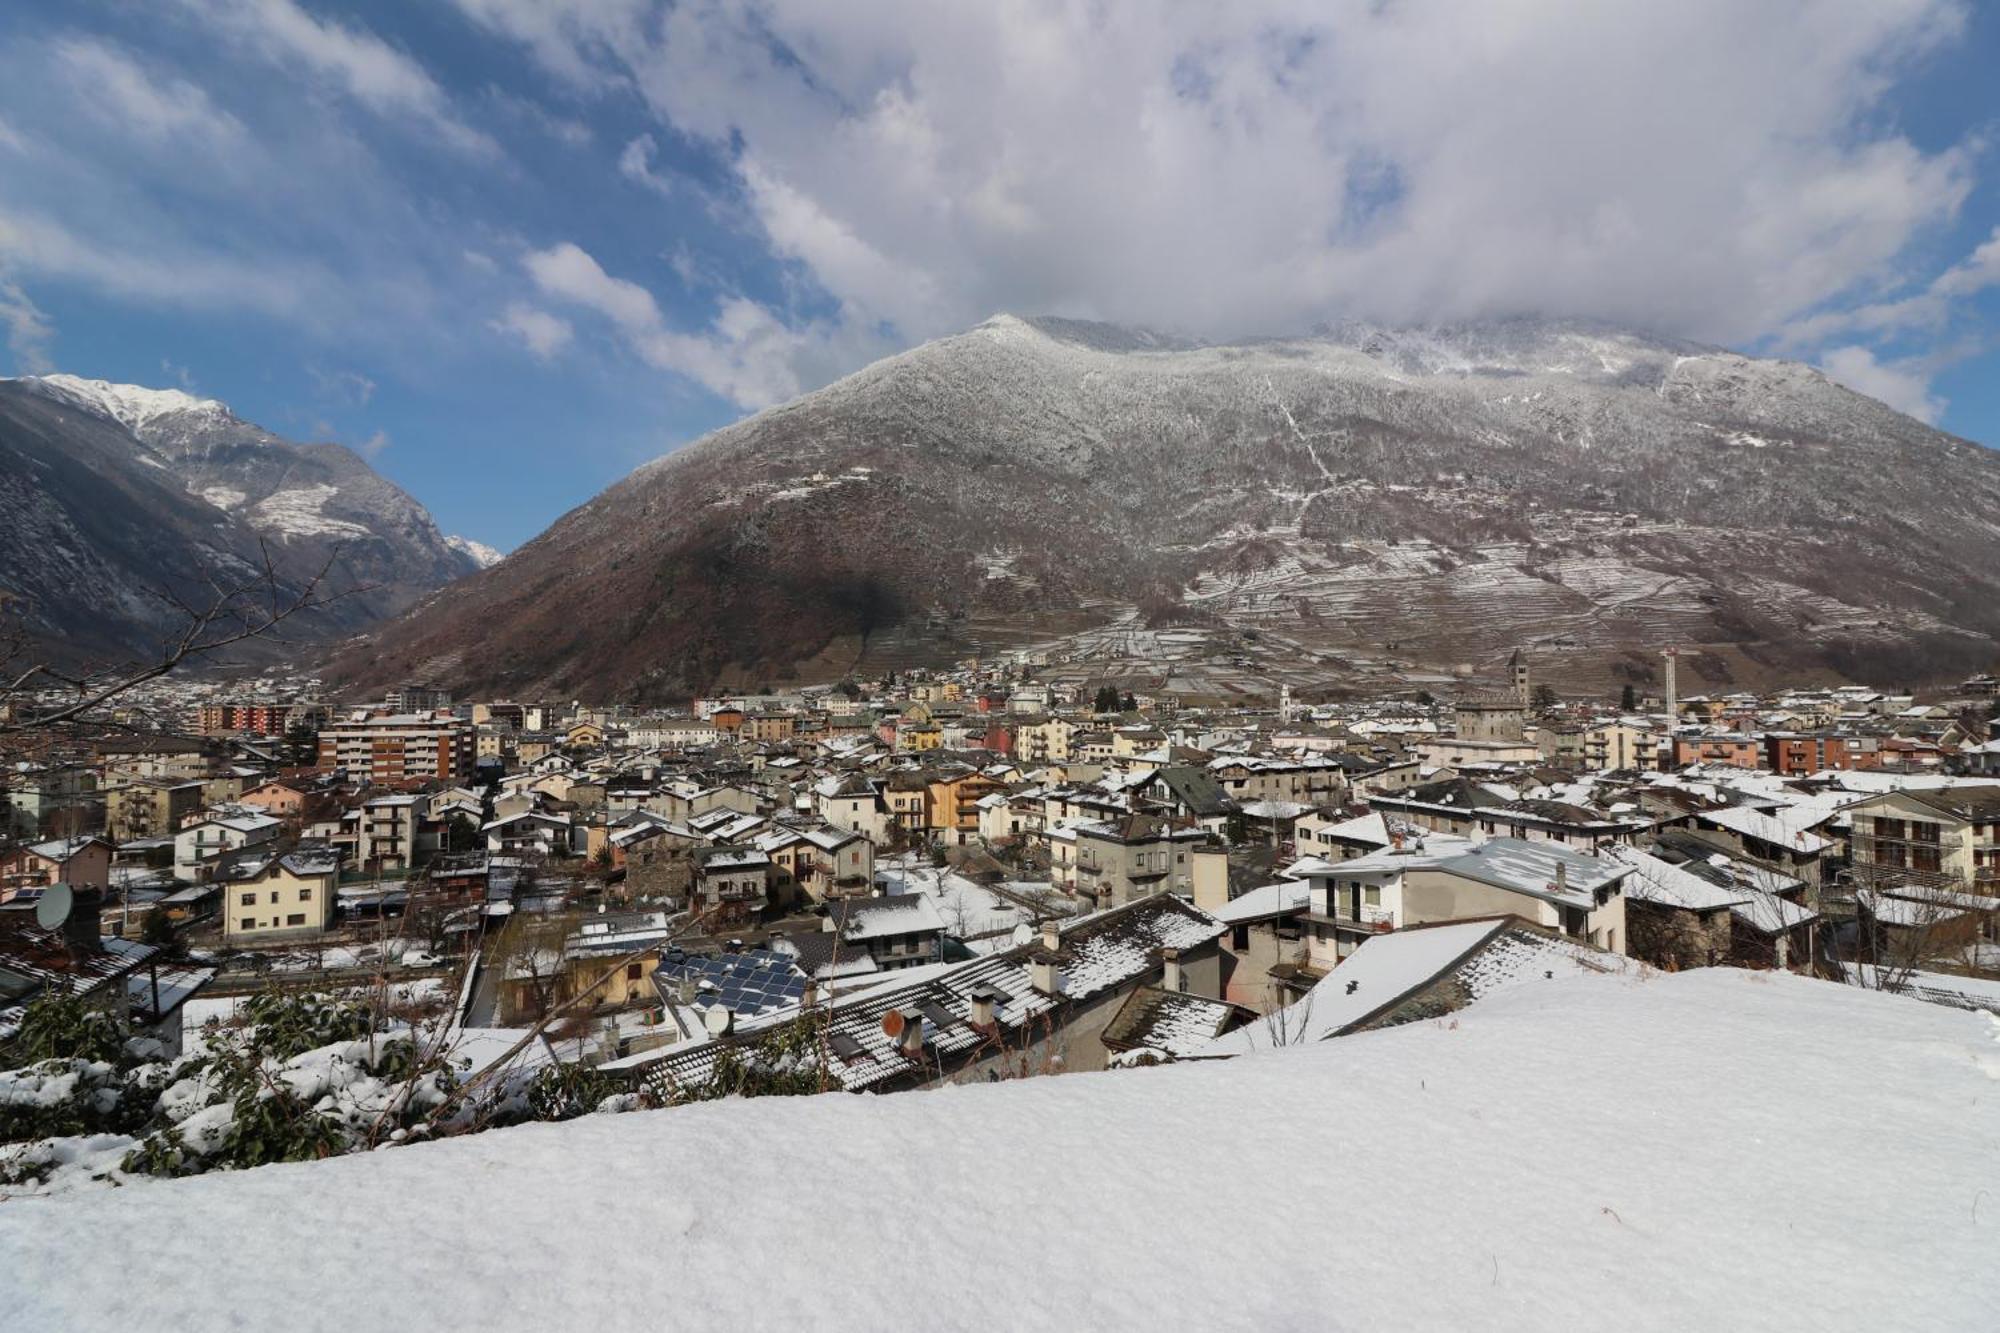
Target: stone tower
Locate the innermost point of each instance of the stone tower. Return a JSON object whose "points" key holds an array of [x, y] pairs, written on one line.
{"points": [[1519, 665]]}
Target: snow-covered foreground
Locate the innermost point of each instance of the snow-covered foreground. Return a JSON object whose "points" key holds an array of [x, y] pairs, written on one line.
{"points": [[1713, 1149]]}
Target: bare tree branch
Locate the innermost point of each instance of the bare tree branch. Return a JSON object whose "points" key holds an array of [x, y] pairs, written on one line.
{"points": [[230, 612]]}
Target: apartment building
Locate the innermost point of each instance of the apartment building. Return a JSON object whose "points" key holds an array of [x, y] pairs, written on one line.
{"points": [[396, 747]]}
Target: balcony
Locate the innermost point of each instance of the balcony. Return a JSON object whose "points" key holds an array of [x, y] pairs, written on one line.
{"points": [[1372, 919]]}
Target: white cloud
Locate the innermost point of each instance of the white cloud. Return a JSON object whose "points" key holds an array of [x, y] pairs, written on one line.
{"points": [[372, 447], [348, 387], [573, 38], [636, 164], [46, 247], [110, 83], [1707, 168], [568, 272], [746, 353], [1904, 385], [28, 330], [1928, 308], [235, 187], [542, 333], [375, 74]]}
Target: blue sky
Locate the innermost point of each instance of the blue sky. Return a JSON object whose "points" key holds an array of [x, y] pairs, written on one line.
{"points": [[513, 248]]}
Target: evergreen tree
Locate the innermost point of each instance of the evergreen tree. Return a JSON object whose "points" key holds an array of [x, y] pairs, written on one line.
{"points": [[301, 745], [1628, 700]]}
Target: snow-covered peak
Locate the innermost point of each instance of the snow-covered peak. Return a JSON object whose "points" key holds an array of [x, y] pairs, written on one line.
{"points": [[479, 553], [130, 405], [1092, 334]]}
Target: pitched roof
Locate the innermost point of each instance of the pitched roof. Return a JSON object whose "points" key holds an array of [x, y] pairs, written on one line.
{"points": [[1099, 952], [1174, 1023]]}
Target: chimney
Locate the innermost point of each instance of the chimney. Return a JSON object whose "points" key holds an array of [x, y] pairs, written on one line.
{"points": [[982, 1012], [1171, 977], [810, 997], [1052, 935], [1562, 876], [80, 929], [1045, 971], [905, 1027]]}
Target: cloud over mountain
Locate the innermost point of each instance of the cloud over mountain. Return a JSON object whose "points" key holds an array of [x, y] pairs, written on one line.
{"points": [[1265, 167]]}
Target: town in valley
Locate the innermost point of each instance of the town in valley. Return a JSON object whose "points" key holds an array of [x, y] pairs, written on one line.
{"points": [[970, 874], [1081, 665]]}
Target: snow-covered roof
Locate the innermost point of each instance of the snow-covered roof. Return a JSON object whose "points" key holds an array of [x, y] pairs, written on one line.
{"points": [[62, 849], [1932, 987], [1655, 881], [1487, 956], [880, 918], [1538, 869], [1170, 1023], [1099, 952], [1767, 828], [1371, 829], [1267, 900]]}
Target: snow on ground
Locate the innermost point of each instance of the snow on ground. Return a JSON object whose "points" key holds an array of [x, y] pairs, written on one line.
{"points": [[296, 513], [1673, 1152], [224, 1008], [970, 910]]}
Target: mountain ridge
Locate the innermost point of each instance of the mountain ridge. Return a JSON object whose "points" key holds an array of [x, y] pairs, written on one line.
{"points": [[85, 458], [1363, 503]]}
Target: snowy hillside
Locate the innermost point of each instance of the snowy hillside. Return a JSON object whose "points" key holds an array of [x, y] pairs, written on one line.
{"points": [[81, 462], [1716, 1149], [130, 405], [1362, 506]]}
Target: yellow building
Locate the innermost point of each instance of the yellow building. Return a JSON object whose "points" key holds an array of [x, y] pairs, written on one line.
{"points": [[923, 736], [269, 896]]}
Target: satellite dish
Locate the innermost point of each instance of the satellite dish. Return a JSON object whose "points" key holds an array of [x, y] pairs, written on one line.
{"points": [[55, 906], [892, 1024], [1024, 934], [718, 1019]]}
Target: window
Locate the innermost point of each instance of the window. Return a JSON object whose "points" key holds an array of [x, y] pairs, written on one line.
{"points": [[247, 923], [296, 919], [1239, 938], [633, 971], [1372, 896], [305, 895], [249, 900]]}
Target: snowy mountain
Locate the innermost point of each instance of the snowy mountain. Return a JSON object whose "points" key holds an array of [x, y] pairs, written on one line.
{"points": [[1711, 1149], [1361, 505], [83, 464], [480, 554]]}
